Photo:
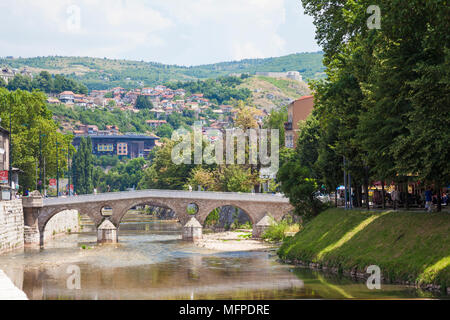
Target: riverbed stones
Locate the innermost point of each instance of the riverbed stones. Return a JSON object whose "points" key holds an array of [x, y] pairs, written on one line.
{"points": [[193, 230], [107, 232]]}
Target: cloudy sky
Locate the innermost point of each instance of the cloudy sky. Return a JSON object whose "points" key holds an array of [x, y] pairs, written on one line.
{"points": [[183, 32]]}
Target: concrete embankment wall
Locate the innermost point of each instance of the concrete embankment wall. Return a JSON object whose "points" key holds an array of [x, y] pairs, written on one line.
{"points": [[11, 225], [64, 222]]}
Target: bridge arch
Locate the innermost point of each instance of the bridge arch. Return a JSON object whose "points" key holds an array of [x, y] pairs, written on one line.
{"points": [[208, 208], [237, 209], [120, 213], [45, 217]]}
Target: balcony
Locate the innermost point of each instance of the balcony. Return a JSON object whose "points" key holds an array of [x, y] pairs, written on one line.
{"points": [[288, 126]]}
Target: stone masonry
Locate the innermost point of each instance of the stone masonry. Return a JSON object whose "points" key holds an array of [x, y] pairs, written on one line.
{"points": [[63, 222], [11, 225]]}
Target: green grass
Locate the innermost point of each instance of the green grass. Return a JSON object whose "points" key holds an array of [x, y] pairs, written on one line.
{"points": [[408, 246]]}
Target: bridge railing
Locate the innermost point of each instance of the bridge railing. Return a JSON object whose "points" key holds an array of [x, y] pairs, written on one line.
{"points": [[162, 193]]}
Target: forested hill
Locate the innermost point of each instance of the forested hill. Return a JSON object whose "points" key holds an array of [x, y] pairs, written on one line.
{"points": [[97, 73]]}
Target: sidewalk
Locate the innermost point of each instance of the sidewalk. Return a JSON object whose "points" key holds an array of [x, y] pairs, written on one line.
{"points": [[8, 291]]}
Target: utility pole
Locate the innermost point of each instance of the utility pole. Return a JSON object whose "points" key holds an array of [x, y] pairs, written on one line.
{"points": [[40, 162], [57, 170], [10, 152], [350, 190], [345, 183], [45, 186], [68, 167]]}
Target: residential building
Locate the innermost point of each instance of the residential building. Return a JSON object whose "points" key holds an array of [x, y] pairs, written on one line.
{"points": [[299, 110], [128, 145], [67, 97], [156, 123], [6, 74]]}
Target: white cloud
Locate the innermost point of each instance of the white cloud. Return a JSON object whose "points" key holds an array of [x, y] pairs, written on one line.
{"points": [[169, 31]]}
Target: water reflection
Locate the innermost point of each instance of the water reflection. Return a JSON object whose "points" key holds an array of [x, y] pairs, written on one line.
{"points": [[151, 262]]}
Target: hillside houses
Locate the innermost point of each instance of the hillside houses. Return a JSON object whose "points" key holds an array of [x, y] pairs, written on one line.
{"points": [[8, 74]]}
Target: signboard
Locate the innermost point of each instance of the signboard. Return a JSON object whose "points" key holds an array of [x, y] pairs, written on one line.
{"points": [[4, 177], [52, 183]]}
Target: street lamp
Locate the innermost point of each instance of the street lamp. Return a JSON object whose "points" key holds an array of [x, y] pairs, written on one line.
{"points": [[40, 160], [57, 170], [10, 152], [68, 166]]}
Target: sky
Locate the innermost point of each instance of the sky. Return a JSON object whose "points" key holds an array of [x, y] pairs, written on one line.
{"points": [[182, 32]]}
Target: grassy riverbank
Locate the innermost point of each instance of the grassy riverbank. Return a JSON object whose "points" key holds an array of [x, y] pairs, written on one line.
{"points": [[407, 246]]}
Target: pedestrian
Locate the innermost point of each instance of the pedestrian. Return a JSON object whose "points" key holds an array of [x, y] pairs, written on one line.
{"points": [[395, 195], [190, 188], [429, 200], [95, 191]]}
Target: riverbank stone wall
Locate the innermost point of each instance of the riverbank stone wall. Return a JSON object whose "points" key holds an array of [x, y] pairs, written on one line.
{"points": [[11, 225]]}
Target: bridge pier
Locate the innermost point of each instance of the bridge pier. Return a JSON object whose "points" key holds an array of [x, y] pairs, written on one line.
{"points": [[262, 226], [193, 230], [31, 209], [107, 233]]}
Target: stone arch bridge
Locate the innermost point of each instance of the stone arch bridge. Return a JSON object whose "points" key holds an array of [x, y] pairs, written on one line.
{"points": [[38, 211]]}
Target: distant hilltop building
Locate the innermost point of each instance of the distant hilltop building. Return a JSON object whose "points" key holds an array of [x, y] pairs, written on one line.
{"points": [[7, 74], [294, 75]]}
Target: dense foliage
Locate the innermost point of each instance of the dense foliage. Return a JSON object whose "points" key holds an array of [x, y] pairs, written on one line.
{"points": [[32, 126], [46, 83], [382, 103], [82, 168]]}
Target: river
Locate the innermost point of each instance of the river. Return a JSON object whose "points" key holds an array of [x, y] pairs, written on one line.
{"points": [[152, 262]]}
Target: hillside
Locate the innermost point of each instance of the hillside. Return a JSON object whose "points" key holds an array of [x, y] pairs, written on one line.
{"points": [[99, 73], [407, 246], [268, 93]]}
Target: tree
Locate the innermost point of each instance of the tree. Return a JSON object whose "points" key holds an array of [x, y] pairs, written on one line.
{"points": [[164, 131], [203, 178], [297, 184], [276, 120], [143, 102], [235, 178], [83, 165], [163, 173], [19, 82], [30, 120]]}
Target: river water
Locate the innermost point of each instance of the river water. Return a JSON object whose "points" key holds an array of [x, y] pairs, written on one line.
{"points": [[152, 262]]}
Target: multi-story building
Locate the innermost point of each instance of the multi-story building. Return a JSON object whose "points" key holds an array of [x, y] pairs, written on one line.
{"points": [[6, 74], [67, 97], [128, 145], [299, 110]]}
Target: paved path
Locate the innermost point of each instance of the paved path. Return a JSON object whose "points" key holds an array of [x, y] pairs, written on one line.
{"points": [[8, 291]]}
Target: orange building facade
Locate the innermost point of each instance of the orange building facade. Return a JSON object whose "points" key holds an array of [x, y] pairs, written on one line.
{"points": [[299, 110]]}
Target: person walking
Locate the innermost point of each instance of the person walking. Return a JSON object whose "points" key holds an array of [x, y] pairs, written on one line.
{"points": [[429, 200], [395, 195]]}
